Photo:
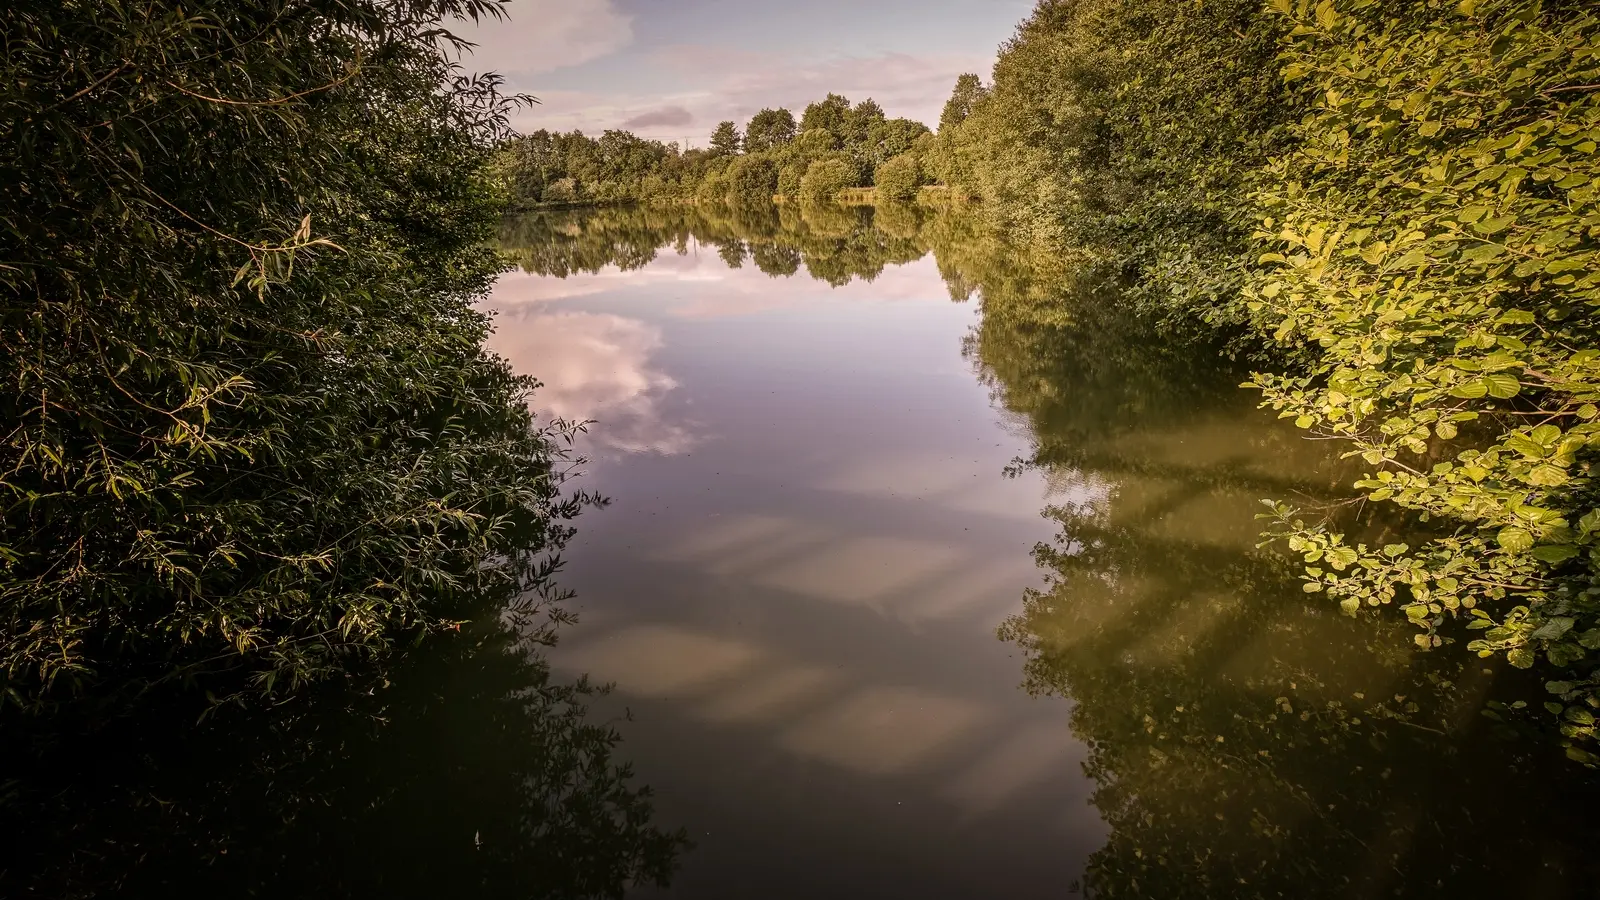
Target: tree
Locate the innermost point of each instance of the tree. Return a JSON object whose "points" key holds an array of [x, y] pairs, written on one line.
{"points": [[968, 91], [899, 178], [752, 179], [825, 179], [859, 122], [888, 138], [830, 114], [789, 178], [248, 410], [768, 130], [814, 142], [725, 140]]}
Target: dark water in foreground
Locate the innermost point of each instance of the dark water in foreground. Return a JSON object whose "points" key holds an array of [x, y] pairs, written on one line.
{"points": [[846, 452]]}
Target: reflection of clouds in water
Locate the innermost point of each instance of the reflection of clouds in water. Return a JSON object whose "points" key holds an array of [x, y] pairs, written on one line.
{"points": [[594, 366]]}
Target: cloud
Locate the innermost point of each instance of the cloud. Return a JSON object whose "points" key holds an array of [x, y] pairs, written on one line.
{"points": [[671, 116], [726, 85], [545, 35]]}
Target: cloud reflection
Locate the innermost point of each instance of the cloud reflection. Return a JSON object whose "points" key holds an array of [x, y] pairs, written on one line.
{"points": [[594, 366]]}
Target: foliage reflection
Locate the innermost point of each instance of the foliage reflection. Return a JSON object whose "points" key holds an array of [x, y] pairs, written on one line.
{"points": [[1244, 743], [464, 770]]}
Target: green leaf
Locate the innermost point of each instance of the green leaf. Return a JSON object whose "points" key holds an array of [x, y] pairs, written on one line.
{"points": [[1341, 558], [1514, 539], [1547, 475], [1521, 657], [1554, 553], [1501, 385], [1553, 628]]}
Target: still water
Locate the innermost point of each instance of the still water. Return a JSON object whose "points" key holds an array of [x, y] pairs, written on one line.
{"points": [[926, 577], [924, 574]]}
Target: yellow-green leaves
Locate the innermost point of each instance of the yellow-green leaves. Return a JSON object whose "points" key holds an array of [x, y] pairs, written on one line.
{"points": [[1466, 288]]}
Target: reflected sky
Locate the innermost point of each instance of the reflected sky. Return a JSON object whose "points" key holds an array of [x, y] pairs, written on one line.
{"points": [[830, 501], [796, 588]]}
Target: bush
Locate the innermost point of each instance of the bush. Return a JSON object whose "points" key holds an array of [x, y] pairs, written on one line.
{"points": [[562, 190], [1436, 238], [825, 178], [249, 425], [712, 189], [789, 178], [899, 178], [752, 179]]}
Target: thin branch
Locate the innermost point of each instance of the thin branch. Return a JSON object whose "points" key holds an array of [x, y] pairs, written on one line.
{"points": [[108, 76], [354, 70]]}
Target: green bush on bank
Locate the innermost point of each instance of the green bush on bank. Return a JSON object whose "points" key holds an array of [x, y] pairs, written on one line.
{"points": [[249, 425], [1400, 197], [825, 178], [899, 178], [1435, 236]]}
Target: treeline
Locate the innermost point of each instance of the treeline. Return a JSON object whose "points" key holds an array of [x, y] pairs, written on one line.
{"points": [[834, 146], [1395, 206]]}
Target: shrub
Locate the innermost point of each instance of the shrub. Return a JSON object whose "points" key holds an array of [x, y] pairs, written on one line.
{"points": [[789, 178], [899, 178], [752, 179], [825, 178]]}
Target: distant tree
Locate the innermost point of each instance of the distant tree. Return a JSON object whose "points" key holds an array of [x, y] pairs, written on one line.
{"points": [[859, 122], [713, 189], [752, 179], [968, 91], [889, 138], [826, 178], [831, 115], [768, 130], [725, 141], [899, 178], [813, 142], [562, 190]]}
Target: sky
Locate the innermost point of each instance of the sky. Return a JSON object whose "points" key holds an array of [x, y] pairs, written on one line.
{"points": [[672, 69]]}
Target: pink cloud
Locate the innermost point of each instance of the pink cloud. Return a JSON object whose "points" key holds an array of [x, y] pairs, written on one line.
{"points": [[731, 87]]}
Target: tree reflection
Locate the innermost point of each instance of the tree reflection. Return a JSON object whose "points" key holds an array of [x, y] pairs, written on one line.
{"points": [[466, 771], [835, 244], [1244, 743]]}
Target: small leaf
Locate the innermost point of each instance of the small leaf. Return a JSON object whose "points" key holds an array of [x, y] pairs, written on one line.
{"points": [[1514, 539]]}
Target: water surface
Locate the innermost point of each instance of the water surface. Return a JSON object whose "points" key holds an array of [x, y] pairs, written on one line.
{"points": [[926, 574], [846, 451]]}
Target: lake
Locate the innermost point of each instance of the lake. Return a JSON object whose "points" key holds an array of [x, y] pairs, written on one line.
{"points": [[923, 572], [926, 576]]}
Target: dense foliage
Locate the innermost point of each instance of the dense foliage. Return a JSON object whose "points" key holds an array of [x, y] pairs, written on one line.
{"points": [[248, 424], [1436, 237], [546, 169], [1396, 202], [1242, 742], [1125, 134], [467, 767]]}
